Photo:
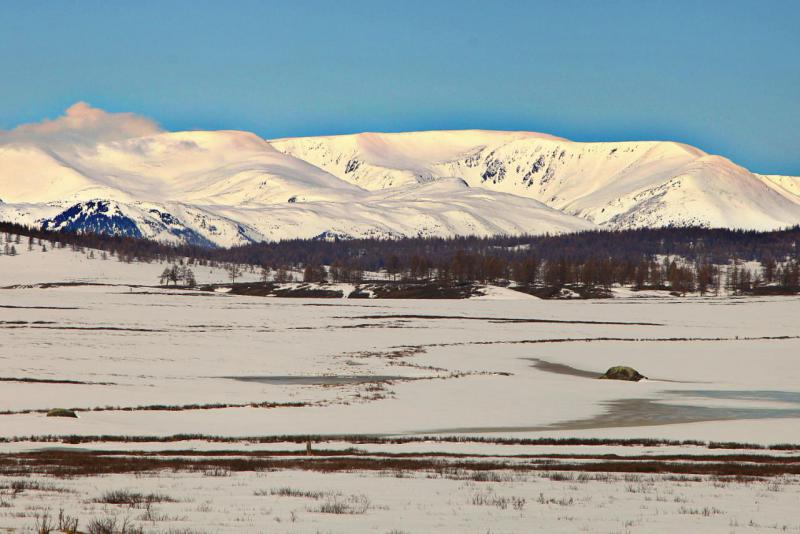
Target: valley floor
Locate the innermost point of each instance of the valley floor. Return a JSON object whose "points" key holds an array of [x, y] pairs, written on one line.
{"points": [[420, 415]]}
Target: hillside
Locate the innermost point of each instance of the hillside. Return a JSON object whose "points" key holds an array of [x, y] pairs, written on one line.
{"points": [[616, 185], [41, 263]]}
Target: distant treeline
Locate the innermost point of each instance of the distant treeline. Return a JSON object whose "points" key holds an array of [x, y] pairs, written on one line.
{"points": [[676, 258]]}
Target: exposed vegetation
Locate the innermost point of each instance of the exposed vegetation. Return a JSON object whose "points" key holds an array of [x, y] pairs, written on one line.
{"points": [[61, 412], [82, 462], [132, 498]]}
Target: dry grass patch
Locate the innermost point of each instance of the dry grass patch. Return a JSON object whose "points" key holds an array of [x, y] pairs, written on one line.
{"points": [[350, 505], [132, 498]]}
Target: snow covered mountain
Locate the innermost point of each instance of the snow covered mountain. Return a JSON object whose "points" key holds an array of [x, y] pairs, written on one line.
{"points": [[227, 188], [615, 185], [118, 173]]}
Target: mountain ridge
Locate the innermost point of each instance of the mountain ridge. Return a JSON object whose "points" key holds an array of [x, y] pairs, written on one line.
{"points": [[609, 184], [231, 187]]}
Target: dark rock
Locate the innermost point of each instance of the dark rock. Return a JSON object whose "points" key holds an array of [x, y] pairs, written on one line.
{"points": [[621, 372]]}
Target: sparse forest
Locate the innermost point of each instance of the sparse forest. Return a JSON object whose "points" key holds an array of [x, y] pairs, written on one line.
{"points": [[677, 259]]}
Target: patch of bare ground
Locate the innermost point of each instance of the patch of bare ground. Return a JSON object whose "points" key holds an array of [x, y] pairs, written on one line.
{"points": [[65, 463], [170, 407], [492, 319], [98, 328], [357, 439], [598, 339], [53, 381], [13, 307]]}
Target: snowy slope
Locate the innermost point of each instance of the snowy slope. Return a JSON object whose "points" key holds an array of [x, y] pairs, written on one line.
{"points": [[788, 186], [43, 262], [379, 161], [617, 185], [222, 167], [446, 208]]}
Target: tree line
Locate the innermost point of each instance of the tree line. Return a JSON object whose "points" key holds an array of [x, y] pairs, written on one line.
{"points": [[682, 259]]}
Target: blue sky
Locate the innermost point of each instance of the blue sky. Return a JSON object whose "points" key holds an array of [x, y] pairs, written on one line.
{"points": [[722, 75]]}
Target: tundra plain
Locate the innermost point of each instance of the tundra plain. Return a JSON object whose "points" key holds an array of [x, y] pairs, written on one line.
{"points": [[200, 412]]}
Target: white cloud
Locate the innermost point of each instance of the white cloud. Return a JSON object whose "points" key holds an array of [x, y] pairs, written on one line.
{"points": [[82, 124]]}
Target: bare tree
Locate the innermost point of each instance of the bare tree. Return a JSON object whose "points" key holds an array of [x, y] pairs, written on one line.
{"points": [[234, 271], [308, 273], [164, 278], [282, 276], [314, 273], [189, 278], [174, 275]]}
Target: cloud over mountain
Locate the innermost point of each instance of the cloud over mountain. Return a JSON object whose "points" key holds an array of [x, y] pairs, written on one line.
{"points": [[82, 124]]}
